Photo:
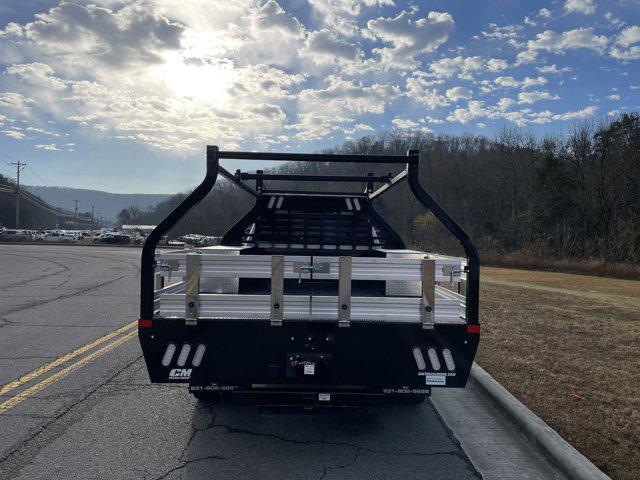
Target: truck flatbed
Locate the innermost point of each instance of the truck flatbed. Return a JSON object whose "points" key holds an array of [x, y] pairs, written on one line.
{"points": [[311, 299]]}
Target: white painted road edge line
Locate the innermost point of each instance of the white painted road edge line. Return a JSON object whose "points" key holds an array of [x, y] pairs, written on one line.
{"points": [[552, 446]]}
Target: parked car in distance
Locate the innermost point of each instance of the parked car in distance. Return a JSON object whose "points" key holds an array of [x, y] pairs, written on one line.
{"points": [[59, 236], [112, 238], [12, 234]]}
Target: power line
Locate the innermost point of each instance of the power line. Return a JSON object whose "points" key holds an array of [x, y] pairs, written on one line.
{"points": [[43, 205], [38, 176]]}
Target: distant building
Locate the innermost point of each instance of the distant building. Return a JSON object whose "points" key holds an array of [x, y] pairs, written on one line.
{"points": [[146, 229]]}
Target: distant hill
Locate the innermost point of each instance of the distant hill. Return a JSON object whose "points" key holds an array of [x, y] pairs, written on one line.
{"points": [[106, 204]]}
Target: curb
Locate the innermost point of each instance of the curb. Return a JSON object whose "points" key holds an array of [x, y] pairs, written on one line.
{"points": [[552, 446]]}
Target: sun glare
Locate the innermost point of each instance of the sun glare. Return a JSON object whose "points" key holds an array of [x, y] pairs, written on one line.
{"points": [[192, 78]]}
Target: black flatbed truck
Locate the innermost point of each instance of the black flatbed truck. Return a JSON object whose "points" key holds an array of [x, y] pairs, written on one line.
{"points": [[311, 299]]}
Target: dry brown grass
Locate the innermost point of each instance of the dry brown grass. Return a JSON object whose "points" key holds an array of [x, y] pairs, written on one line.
{"points": [[568, 346], [599, 267]]}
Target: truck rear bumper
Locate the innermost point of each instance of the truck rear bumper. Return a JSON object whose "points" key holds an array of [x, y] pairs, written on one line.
{"points": [[304, 360]]}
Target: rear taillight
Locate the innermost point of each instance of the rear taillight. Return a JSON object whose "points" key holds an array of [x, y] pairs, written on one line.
{"points": [[168, 354], [144, 323], [197, 357], [473, 328], [184, 353], [433, 358], [417, 355], [448, 359]]}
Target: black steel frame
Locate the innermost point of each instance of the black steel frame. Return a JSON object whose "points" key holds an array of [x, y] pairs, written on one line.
{"points": [[411, 171]]}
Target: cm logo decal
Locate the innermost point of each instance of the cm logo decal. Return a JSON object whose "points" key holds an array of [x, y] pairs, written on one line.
{"points": [[180, 374]]}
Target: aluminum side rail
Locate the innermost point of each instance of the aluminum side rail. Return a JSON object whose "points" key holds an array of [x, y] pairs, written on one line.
{"points": [[321, 308], [173, 264]]}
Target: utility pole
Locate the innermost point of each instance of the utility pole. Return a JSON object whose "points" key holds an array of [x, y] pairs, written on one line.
{"points": [[75, 213], [19, 167], [92, 213]]}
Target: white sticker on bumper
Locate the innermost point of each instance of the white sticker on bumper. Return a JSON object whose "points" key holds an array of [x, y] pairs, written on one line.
{"points": [[436, 379]]}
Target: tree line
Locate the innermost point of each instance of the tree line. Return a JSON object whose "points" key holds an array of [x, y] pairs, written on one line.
{"points": [[573, 195]]}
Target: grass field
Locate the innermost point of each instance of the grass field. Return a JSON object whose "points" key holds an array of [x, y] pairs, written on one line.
{"points": [[568, 346]]}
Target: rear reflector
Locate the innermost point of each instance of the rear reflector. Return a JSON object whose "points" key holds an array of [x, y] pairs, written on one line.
{"points": [[197, 357], [144, 323], [168, 354], [473, 328], [417, 354], [433, 358], [448, 359], [184, 353]]}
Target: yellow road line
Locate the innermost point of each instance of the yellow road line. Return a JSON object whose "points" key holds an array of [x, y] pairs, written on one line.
{"points": [[65, 358], [15, 400]]}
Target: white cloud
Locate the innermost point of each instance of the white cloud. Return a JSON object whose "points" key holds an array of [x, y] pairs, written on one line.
{"points": [[586, 7], [341, 15], [131, 35], [48, 146], [629, 36], [16, 103], [632, 53], [475, 109], [322, 111], [527, 56], [506, 32], [553, 69], [432, 121], [404, 123], [577, 115], [497, 64], [544, 13], [324, 47], [613, 20], [506, 103], [458, 93], [570, 40], [533, 82], [419, 89], [15, 134], [460, 66], [613, 97], [271, 16], [410, 38], [507, 82], [535, 96]]}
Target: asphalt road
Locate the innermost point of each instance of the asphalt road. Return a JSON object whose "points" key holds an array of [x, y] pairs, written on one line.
{"points": [[93, 414]]}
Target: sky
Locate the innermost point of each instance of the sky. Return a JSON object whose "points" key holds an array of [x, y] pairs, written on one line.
{"points": [[123, 96]]}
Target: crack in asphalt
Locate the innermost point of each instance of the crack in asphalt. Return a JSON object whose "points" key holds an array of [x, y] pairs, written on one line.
{"points": [[64, 296], [40, 277], [25, 443], [6, 322], [235, 430], [185, 462], [359, 450]]}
